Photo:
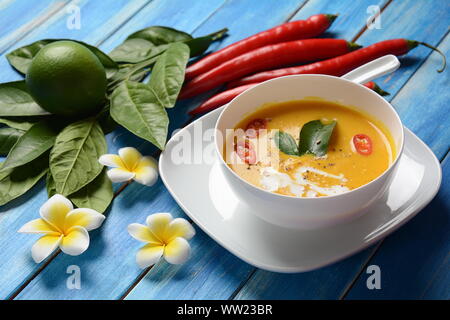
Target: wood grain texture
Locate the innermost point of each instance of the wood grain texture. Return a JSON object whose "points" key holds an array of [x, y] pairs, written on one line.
{"points": [[414, 261], [19, 17], [415, 20], [17, 265]]}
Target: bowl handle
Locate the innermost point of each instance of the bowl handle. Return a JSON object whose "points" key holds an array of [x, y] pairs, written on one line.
{"points": [[373, 69]]}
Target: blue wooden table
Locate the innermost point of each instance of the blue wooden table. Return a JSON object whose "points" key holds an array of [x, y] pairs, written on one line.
{"points": [[414, 261]]}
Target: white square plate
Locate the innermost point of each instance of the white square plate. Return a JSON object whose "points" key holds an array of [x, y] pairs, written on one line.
{"points": [[200, 189]]}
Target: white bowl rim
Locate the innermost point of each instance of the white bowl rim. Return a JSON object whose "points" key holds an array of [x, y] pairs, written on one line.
{"points": [[322, 198]]}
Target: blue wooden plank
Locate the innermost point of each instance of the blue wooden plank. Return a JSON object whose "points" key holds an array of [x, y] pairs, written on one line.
{"points": [[17, 265], [351, 20], [325, 283], [415, 20], [288, 288], [423, 103], [18, 17], [110, 247], [413, 261], [212, 273]]}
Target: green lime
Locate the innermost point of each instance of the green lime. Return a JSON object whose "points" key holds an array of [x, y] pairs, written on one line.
{"points": [[66, 78]]}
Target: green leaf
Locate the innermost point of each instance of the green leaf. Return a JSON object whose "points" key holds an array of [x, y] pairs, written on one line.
{"points": [[8, 137], [136, 72], [96, 195], [286, 143], [111, 67], [21, 123], [74, 158], [315, 137], [50, 185], [135, 107], [15, 182], [132, 51], [15, 100], [147, 43], [37, 140], [168, 74], [199, 45], [158, 35], [21, 58]]}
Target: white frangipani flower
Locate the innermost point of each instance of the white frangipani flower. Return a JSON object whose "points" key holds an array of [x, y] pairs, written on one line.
{"points": [[164, 236], [63, 227], [130, 164]]}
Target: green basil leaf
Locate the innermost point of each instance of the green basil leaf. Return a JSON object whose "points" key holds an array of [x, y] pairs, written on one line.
{"points": [[96, 195], [168, 74], [21, 58], [315, 137], [50, 185], [74, 157], [286, 143], [15, 182], [199, 45], [135, 107], [8, 137], [37, 140], [15, 100], [158, 35]]}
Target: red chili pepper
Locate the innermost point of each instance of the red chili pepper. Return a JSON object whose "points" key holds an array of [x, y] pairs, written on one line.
{"points": [[340, 65], [363, 144], [265, 58], [294, 30], [228, 95], [372, 85], [220, 99]]}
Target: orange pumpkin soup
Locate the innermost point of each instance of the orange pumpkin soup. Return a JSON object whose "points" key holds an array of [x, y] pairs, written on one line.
{"points": [[309, 148]]}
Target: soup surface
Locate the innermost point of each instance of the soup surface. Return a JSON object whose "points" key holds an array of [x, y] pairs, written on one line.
{"points": [[359, 148]]}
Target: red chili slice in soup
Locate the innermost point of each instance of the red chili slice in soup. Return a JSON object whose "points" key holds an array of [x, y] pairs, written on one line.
{"points": [[246, 151], [252, 130], [363, 144]]}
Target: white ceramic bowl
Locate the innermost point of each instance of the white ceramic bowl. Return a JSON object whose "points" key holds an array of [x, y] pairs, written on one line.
{"points": [[309, 213]]}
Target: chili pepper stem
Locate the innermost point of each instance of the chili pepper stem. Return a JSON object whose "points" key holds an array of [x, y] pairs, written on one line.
{"points": [[438, 51], [354, 46], [331, 17], [380, 91], [218, 34]]}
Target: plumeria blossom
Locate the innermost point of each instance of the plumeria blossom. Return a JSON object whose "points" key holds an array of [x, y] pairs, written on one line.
{"points": [[164, 236], [130, 164], [63, 227]]}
